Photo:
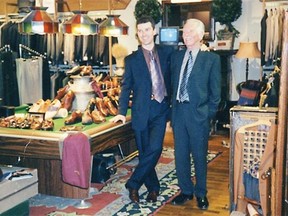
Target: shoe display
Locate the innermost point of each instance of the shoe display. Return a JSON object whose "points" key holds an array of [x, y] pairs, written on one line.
{"points": [[111, 108], [75, 70], [202, 202], [44, 107], [53, 109], [91, 105], [101, 107], [97, 117], [75, 117], [36, 124], [133, 195], [87, 118], [181, 199], [152, 196], [61, 92], [67, 100], [62, 113], [86, 70], [36, 106], [47, 125]]}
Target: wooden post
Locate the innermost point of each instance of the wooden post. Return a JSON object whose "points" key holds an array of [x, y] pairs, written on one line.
{"points": [[282, 122]]}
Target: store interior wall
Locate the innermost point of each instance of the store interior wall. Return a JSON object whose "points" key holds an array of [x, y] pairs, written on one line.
{"points": [[248, 24]]}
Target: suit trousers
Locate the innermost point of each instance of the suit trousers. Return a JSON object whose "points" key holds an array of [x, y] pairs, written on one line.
{"points": [[191, 140], [149, 143]]}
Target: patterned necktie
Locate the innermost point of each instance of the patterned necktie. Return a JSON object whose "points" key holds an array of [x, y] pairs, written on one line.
{"points": [[183, 94], [158, 87]]}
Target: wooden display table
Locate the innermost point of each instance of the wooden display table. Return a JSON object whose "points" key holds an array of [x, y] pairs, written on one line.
{"points": [[40, 150]]}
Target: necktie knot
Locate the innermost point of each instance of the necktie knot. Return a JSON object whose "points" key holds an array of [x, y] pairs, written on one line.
{"points": [[151, 55]]}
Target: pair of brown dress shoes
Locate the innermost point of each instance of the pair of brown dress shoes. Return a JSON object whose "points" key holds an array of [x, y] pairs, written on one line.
{"points": [[134, 196]]}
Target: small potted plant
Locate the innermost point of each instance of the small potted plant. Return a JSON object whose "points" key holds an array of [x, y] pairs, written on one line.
{"points": [[148, 8], [226, 12]]}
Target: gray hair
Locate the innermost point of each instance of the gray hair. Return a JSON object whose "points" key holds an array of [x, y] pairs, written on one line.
{"points": [[198, 26]]}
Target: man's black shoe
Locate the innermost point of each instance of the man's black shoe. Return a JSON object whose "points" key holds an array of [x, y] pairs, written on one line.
{"points": [[181, 199], [202, 202]]}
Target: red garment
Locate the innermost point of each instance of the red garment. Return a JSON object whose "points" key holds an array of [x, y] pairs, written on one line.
{"points": [[76, 160]]}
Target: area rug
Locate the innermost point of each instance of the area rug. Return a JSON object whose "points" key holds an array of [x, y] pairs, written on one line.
{"points": [[112, 198]]}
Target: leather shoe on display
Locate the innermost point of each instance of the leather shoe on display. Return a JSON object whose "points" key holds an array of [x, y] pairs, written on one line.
{"points": [[91, 104], [101, 106], [111, 108], [181, 199], [133, 195], [152, 196], [47, 125], [86, 70], [87, 118], [36, 106], [97, 117], [75, 117], [44, 107], [202, 202], [67, 100], [61, 92]]}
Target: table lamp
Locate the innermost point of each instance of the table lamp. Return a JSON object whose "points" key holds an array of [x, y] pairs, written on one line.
{"points": [[248, 50]]}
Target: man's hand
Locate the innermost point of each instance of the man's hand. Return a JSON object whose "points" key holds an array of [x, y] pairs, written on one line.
{"points": [[117, 118]]}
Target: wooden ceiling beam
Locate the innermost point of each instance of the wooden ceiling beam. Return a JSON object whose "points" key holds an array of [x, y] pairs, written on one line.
{"points": [[10, 6]]}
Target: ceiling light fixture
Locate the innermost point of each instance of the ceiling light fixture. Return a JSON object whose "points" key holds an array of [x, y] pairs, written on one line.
{"points": [[80, 24], [37, 22], [112, 27]]}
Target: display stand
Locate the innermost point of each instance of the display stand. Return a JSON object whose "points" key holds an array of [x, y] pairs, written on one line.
{"points": [[252, 134]]}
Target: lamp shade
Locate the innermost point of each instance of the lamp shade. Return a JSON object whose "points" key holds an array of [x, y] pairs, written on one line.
{"points": [[248, 50], [113, 26], [80, 24], [37, 22]]}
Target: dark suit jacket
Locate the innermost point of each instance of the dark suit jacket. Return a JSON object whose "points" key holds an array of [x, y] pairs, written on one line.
{"points": [[137, 79], [204, 85]]}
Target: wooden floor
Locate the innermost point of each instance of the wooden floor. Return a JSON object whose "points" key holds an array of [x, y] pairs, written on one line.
{"points": [[217, 181]]}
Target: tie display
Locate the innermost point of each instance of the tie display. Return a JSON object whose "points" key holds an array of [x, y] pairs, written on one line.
{"points": [[158, 87], [183, 94]]}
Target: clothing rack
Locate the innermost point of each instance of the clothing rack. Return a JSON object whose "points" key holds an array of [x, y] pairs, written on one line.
{"points": [[65, 67], [23, 47], [5, 48]]}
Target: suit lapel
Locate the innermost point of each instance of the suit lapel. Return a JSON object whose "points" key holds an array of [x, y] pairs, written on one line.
{"points": [[141, 62], [179, 61], [198, 62]]}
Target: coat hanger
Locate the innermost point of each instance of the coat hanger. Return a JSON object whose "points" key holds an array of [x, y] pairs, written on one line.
{"points": [[261, 120]]}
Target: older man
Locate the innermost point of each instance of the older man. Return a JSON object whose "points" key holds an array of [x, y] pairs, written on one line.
{"points": [[196, 83]]}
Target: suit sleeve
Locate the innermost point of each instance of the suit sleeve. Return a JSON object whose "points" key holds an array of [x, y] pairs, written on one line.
{"points": [[215, 86], [126, 86]]}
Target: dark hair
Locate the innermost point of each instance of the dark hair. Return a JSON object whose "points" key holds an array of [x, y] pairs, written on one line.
{"points": [[146, 19]]}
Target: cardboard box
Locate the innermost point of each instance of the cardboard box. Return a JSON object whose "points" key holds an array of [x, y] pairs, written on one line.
{"points": [[16, 190]]}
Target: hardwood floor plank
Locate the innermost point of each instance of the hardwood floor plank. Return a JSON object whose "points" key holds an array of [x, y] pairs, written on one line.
{"points": [[217, 182]]}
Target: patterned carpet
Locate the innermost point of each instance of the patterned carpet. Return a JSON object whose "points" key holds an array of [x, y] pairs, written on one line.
{"points": [[112, 198]]}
